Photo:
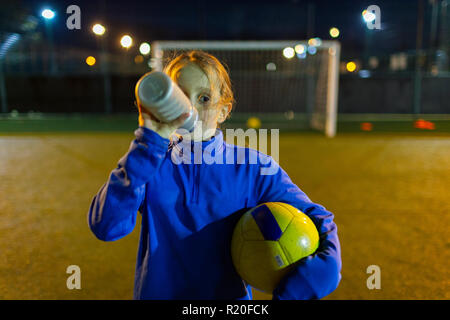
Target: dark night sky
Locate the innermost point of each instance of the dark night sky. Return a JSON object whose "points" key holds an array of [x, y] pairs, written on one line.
{"points": [[236, 20]]}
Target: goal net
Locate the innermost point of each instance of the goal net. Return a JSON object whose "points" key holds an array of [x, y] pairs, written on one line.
{"points": [[280, 82]]}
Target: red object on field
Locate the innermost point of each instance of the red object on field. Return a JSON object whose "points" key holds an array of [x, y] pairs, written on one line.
{"points": [[430, 125], [419, 124], [423, 124], [366, 126]]}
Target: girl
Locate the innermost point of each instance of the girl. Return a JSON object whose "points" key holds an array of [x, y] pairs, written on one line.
{"points": [[189, 209]]}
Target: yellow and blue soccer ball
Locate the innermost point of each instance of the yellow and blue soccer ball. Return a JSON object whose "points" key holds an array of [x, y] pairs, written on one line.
{"points": [[267, 242]]}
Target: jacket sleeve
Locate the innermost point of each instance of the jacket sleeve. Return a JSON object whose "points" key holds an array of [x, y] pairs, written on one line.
{"points": [[113, 210], [317, 275]]}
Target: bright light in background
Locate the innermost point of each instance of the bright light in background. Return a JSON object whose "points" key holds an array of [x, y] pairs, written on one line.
{"points": [[315, 42], [48, 14], [301, 55], [271, 66], [299, 48], [312, 50], [334, 32], [98, 29], [254, 123], [288, 52], [368, 16], [90, 61], [351, 66], [364, 73], [126, 41], [144, 48]]}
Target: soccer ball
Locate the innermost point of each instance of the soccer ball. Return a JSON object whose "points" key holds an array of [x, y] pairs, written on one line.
{"points": [[267, 242]]}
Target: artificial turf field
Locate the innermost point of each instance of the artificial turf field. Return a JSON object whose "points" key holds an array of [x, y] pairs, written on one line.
{"points": [[389, 193]]}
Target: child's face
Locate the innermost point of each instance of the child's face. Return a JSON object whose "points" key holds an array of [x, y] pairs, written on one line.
{"points": [[197, 87]]}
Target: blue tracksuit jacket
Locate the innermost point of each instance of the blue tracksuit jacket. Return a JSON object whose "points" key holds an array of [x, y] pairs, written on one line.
{"points": [[189, 212]]}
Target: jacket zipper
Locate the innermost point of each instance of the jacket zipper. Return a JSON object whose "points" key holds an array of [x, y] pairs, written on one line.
{"points": [[195, 182]]}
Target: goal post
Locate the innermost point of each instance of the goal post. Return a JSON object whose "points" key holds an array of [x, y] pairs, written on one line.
{"points": [[296, 79]]}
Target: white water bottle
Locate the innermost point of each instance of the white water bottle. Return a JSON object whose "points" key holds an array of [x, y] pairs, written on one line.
{"points": [[159, 94]]}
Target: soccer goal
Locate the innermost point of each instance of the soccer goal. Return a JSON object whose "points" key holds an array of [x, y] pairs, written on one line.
{"points": [[280, 81]]}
